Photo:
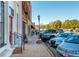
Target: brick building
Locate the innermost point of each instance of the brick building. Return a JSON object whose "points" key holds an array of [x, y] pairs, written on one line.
{"points": [[27, 18]]}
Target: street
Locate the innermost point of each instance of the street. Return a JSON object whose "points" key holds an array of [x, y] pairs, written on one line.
{"points": [[39, 29], [53, 50], [32, 49]]}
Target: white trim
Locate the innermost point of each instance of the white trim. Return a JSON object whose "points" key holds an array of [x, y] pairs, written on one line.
{"points": [[3, 48], [9, 53]]}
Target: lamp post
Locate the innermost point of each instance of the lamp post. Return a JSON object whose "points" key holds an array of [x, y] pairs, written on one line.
{"points": [[39, 24]]}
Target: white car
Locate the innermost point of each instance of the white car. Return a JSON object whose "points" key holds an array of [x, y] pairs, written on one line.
{"points": [[69, 47]]}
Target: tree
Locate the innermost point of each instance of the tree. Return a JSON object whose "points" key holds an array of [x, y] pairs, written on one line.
{"points": [[70, 24], [44, 26], [56, 24], [66, 24]]}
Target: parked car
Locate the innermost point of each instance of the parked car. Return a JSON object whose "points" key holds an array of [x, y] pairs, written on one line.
{"points": [[59, 31], [76, 31], [59, 39], [48, 34], [54, 31], [41, 32], [69, 47]]}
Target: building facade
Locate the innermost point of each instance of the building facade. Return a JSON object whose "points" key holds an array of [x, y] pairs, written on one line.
{"points": [[10, 23], [27, 18], [15, 22]]}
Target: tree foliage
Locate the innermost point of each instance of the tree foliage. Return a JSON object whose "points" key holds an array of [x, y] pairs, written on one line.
{"points": [[70, 24], [55, 25], [67, 24]]}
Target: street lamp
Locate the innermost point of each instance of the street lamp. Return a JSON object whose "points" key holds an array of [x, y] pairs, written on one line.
{"points": [[39, 24]]}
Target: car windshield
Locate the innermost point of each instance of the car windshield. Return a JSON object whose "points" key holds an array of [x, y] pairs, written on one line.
{"points": [[47, 31], [53, 31], [63, 35], [66, 34], [42, 31], [59, 30], [73, 39]]}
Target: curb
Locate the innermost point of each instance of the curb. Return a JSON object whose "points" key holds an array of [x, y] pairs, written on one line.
{"points": [[52, 55]]}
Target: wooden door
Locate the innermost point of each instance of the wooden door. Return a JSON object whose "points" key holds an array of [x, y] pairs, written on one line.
{"points": [[10, 36]]}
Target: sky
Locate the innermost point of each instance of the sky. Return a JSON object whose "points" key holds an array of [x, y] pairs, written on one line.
{"points": [[54, 10]]}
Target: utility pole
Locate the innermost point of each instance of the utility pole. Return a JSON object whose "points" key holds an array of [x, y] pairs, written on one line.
{"points": [[39, 24]]}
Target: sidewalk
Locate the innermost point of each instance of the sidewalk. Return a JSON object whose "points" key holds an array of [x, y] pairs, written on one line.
{"points": [[32, 49]]}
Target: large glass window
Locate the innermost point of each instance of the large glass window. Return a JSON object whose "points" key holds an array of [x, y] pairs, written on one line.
{"points": [[1, 24]]}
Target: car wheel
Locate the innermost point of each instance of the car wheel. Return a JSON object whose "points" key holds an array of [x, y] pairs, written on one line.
{"points": [[52, 36], [43, 40], [52, 43], [55, 45]]}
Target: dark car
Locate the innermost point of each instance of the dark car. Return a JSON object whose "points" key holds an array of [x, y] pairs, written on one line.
{"points": [[47, 34], [41, 32]]}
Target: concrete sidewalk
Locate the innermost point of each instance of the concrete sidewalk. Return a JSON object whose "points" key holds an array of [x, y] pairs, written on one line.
{"points": [[32, 49]]}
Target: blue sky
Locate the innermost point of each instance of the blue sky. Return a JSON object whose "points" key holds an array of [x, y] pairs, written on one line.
{"points": [[54, 10]]}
